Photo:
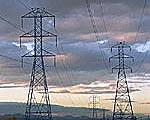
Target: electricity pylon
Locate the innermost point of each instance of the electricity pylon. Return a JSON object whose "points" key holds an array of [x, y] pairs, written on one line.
{"points": [[122, 107], [38, 104], [94, 104], [104, 114]]}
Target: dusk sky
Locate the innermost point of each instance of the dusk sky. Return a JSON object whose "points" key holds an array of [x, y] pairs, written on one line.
{"points": [[82, 68]]}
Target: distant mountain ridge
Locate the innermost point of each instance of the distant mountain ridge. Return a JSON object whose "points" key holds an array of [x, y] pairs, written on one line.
{"points": [[57, 110], [9, 109]]}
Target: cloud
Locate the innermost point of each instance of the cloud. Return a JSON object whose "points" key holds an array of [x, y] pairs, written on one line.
{"points": [[142, 47], [91, 91], [94, 92], [28, 45], [12, 85], [145, 103], [81, 64], [97, 87]]}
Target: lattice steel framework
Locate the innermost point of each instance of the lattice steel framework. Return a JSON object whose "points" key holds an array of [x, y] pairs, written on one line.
{"points": [[38, 104], [122, 107], [94, 104]]}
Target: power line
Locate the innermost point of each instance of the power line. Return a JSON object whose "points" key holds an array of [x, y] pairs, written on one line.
{"points": [[22, 3], [140, 21], [103, 19], [10, 23], [142, 60], [95, 30], [64, 66], [60, 78], [137, 33], [58, 74], [10, 58], [15, 26], [68, 69], [20, 28]]}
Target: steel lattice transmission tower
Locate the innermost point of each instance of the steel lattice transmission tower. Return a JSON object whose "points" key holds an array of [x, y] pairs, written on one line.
{"points": [[94, 104], [122, 107], [38, 104]]}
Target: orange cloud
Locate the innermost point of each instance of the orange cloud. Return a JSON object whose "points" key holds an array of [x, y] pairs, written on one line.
{"points": [[62, 57]]}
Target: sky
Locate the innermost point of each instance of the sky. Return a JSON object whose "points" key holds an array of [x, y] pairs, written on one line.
{"points": [[82, 67]]}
